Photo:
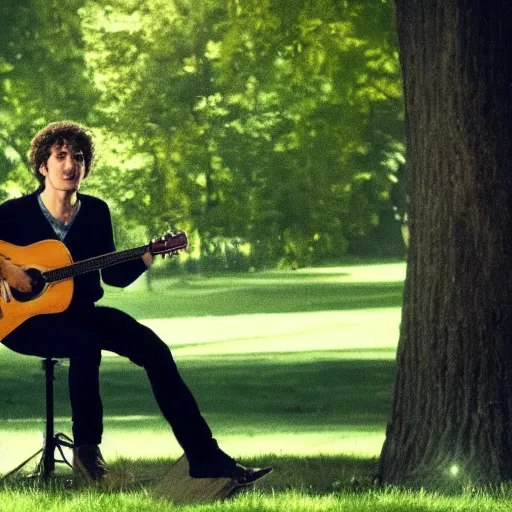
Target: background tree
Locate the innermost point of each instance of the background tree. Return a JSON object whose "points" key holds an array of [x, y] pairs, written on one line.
{"points": [[43, 78], [317, 72], [265, 123], [271, 131], [452, 410]]}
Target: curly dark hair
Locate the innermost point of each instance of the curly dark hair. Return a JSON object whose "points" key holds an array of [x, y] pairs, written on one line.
{"points": [[65, 132]]}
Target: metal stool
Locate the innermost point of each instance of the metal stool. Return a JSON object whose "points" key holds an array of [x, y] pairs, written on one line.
{"points": [[52, 441]]}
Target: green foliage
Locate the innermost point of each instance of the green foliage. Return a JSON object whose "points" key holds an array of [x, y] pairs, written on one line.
{"points": [[43, 78], [275, 124]]}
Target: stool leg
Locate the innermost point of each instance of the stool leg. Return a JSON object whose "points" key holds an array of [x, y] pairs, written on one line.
{"points": [[52, 441], [48, 458]]}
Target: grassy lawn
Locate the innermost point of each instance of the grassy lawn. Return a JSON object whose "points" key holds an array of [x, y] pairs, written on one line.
{"points": [[293, 369], [271, 292], [279, 363], [294, 501]]}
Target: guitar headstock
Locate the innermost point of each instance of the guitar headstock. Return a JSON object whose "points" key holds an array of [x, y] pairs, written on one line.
{"points": [[169, 243]]}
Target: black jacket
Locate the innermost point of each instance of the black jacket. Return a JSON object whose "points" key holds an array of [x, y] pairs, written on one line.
{"points": [[22, 223]]}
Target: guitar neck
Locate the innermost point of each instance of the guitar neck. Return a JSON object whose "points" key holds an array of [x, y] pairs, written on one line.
{"points": [[92, 264]]}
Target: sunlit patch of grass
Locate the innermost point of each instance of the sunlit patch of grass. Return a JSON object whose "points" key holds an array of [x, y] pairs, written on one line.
{"points": [[154, 442], [377, 273], [284, 332]]}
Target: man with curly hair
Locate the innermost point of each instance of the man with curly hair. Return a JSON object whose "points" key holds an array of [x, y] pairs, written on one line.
{"points": [[61, 157]]}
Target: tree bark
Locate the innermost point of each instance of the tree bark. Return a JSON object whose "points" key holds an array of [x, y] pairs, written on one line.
{"points": [[451, 417]]}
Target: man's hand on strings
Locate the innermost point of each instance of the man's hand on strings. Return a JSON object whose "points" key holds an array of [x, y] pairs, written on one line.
{"points": [[15, 276]]}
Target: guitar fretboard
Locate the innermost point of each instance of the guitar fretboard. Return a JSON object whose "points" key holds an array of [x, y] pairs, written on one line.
{"points": [[97, 263]]}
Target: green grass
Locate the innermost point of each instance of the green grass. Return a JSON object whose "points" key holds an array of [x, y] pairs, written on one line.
{"points": [[323, 483], [305, 290], [293, 369], [391, 500], [305, 403]]}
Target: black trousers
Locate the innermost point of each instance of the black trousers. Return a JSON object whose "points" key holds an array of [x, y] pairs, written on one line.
{"points": [[80, 335]]}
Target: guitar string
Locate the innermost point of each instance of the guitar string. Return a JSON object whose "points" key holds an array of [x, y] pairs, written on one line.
{"points": [[99, 262], [107, 260], [82, 267]]}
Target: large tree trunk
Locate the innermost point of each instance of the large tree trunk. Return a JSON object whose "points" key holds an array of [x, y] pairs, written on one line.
{"points": [[452, 408]]}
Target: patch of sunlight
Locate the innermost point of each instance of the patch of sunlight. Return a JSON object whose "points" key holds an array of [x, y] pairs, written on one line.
{"points": [[16, 446], [351, 330], [381, 273], [12, 189], [334, 442], [355, 331]]}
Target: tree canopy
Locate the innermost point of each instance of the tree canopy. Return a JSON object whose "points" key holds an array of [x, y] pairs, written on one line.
{"points": [[270, 129]]}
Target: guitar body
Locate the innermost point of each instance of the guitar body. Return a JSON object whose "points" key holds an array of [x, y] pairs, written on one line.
{"points": [[50, 298], [51, 269]]}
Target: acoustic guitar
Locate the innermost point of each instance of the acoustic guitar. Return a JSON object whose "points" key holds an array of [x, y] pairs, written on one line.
{"points": [[51, 268]]}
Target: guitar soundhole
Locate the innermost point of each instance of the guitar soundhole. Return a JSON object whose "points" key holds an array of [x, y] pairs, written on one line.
{"points": [[38, 284]]}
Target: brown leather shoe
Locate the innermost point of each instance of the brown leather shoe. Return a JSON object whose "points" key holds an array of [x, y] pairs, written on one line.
{"points": [[88, 463]]}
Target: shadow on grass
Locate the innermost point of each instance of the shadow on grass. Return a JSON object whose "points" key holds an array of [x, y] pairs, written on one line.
{"points": [[323, 474], [314, 475], [279, 392]]}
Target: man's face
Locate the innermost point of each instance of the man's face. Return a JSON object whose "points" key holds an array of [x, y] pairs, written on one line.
{"points": [[65, 168]]}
